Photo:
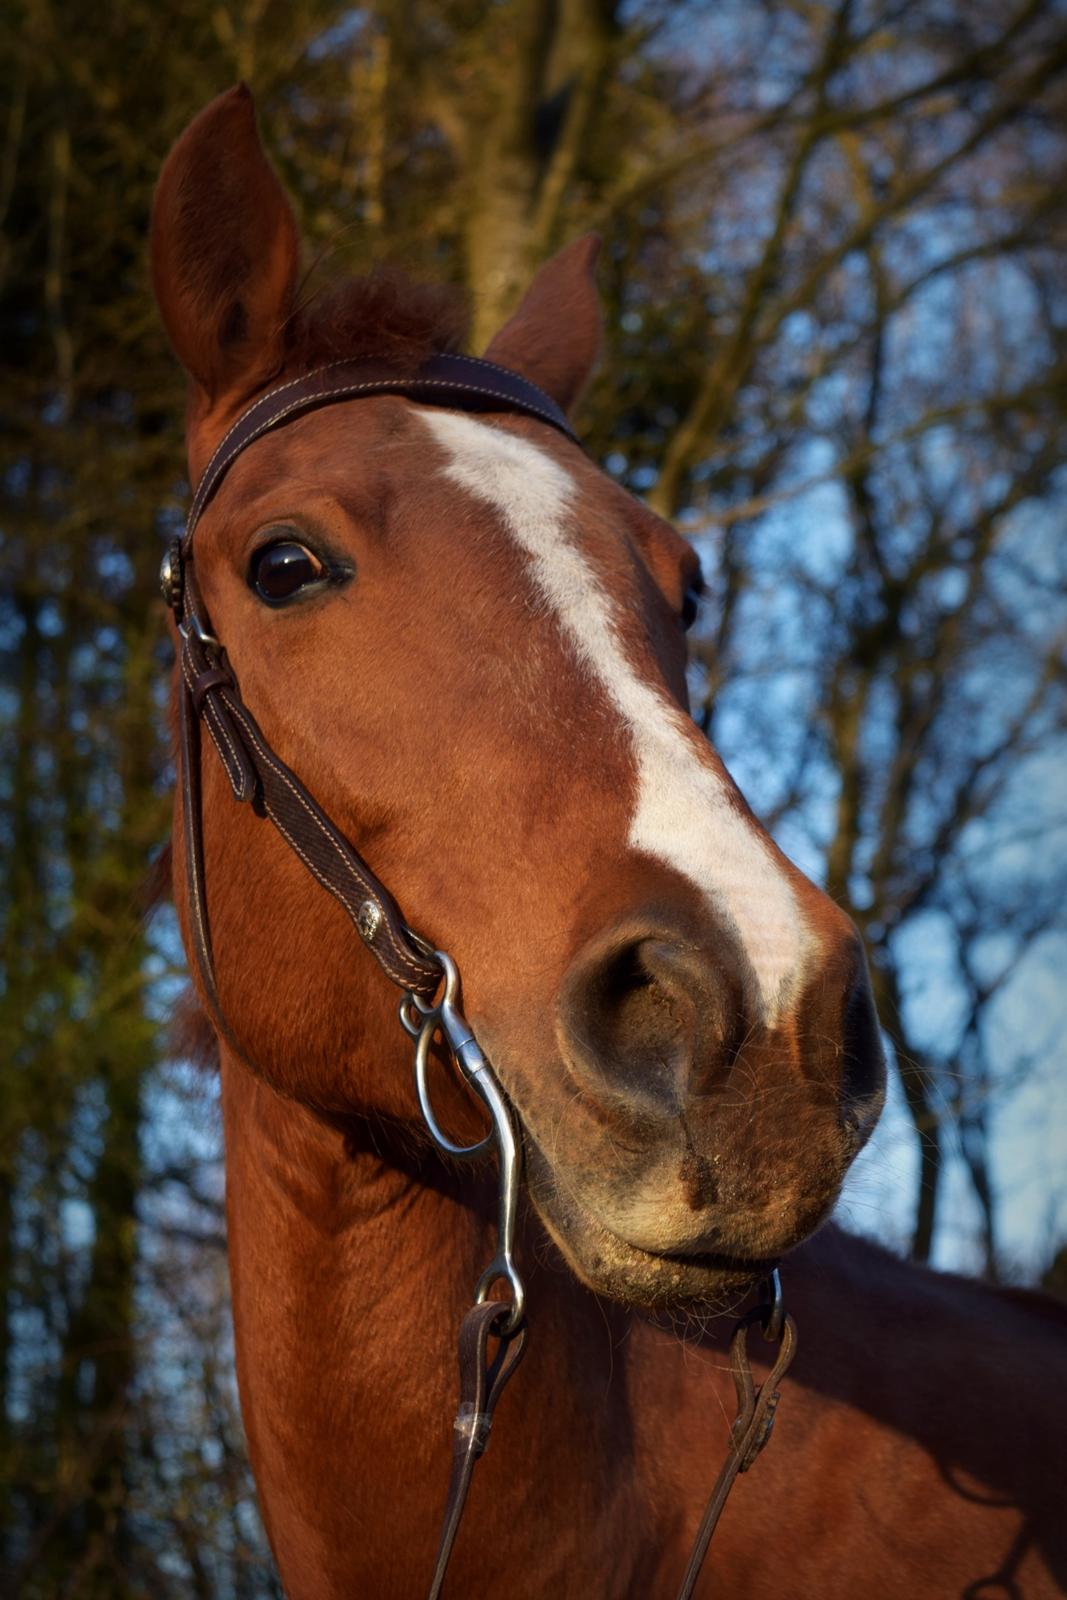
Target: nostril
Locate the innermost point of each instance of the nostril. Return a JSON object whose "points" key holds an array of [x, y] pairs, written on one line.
{"points": [[642, 1015], [863, 1061], [642, 1021]]}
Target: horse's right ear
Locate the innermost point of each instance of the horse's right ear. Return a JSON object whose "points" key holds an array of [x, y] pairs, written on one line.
{"points": [[225, 254], [554, 337]]}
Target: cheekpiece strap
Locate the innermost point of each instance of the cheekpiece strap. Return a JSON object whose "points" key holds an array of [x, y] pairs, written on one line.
{"points": [[211, 696]]}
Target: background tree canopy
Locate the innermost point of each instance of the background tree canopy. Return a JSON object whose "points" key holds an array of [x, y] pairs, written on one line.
{"points": [[835, 240]]}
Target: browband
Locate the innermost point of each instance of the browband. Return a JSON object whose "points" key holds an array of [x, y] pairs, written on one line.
{"points": [[464, 381]]}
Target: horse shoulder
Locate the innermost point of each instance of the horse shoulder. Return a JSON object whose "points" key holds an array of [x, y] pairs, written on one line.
{"points": [[926, 1412]]}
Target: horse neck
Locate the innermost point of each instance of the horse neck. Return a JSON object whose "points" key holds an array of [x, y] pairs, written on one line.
{"points": [[350, 1276]]}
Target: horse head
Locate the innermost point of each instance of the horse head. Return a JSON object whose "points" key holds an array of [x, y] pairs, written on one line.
{"points": [[470, 644]]}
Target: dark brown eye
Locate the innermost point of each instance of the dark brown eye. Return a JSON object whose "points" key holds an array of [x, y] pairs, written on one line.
{"points": [[691, 602], [279, 571]]}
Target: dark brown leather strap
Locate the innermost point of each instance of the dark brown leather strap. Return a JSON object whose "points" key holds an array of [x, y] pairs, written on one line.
{"points": [[481, 1383], [209, 692], [751, 1429], [463, 381]]}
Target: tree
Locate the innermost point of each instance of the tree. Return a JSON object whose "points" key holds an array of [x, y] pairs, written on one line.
{"points": [[91, 479]]}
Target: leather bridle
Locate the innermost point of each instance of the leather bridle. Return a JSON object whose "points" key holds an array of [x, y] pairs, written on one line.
{"points": [[208, 693]]}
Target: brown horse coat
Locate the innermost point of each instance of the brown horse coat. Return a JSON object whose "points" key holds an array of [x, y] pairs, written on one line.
{"points": [[481, 676]]}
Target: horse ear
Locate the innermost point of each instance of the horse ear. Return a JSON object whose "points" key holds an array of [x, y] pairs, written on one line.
{"points": [[225, 252], [554, 337]]}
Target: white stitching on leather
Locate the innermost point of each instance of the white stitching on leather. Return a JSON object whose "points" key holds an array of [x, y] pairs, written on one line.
{"points": [[410, 968], [199, 900], [211, 476], [262, 401], [326, 833], [316, 872], [210, 712]]}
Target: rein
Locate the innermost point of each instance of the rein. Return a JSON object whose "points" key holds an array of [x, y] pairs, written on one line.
{"points": [[208, 694]]}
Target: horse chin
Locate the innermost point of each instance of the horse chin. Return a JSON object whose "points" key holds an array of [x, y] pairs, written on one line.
{"points": [[712, 1284]]}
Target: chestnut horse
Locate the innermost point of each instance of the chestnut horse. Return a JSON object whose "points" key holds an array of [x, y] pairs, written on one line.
{"points": [[469, 644]]}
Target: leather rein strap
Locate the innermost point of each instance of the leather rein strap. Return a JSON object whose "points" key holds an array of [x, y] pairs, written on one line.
{"points": [[209, 693], [482, 1380], [751, 1429], [481, 1383]]}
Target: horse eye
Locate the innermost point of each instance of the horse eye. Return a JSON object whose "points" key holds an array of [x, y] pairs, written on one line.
{"points": [[691, 603], [279, 571]]}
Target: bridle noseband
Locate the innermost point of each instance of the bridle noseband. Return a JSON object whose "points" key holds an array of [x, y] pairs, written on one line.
{"points": [[208, 693]]}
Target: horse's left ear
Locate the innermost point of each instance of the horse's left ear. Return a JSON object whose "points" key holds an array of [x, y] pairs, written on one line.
{"points": [[554, 337], [224, 254]]}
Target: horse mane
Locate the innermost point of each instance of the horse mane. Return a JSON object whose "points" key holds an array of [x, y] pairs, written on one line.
{"points": [[385, 315]]}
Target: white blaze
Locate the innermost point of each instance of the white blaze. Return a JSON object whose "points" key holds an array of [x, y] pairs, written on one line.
{"points": [[684, 814]]}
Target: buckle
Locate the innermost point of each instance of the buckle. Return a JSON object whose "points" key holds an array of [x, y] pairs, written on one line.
{"points": [[192, 624]]}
